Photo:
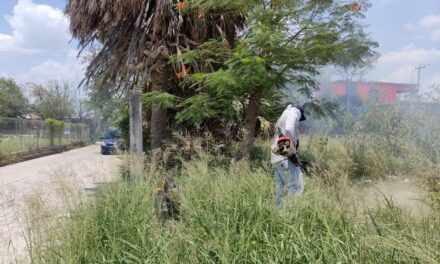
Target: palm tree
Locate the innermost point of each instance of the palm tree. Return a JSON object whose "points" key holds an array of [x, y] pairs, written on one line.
{"points": [[135, 39]]}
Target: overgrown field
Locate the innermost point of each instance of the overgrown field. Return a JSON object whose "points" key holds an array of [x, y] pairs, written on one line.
{"points": [[228, 210], [229, 216]]}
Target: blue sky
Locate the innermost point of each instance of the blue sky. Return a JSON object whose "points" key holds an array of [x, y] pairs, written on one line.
{"points": [[34, 41], [408, 33]]}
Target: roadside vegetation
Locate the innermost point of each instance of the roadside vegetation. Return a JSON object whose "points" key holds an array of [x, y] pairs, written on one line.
{"points": [[228, 213], [42, 117], [228, 216]]}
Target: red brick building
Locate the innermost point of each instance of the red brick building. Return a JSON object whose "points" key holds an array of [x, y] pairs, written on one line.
{"points": [[382, 91]]}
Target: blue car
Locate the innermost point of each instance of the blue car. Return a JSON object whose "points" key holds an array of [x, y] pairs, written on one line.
{"points": [[111, 141]]}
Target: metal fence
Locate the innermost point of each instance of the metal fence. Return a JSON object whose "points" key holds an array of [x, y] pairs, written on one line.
{"points": [[18, 135]]}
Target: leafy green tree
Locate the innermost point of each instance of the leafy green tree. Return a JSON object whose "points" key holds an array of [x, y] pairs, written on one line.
{"points": [[12, 101], [105, 104], [284, 43], [230, 59], [54, 100]]}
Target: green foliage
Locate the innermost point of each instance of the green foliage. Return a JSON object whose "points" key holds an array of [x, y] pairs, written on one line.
{"points": [[211, 52], [12, 101], [54, 100], [56, 124], [123, 123], [163, 99], [79, 130], [382, 140], [197, 108], [80, 127], [242, 6], [221, 52], [105, 104], [304, 36], [55, 127]]}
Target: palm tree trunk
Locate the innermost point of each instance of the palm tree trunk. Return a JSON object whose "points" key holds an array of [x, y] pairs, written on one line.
{"points": [[160, 81], [250, 121]]}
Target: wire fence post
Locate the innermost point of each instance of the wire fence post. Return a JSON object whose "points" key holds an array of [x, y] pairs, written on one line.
{"points": [[20, 129], [37, 132]]}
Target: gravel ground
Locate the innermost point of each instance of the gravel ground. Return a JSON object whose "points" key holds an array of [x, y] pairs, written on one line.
{"points": [[40, 182]]}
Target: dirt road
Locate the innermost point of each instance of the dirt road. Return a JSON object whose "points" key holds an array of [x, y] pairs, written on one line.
{"points": [[40, 180], [405, 193]]}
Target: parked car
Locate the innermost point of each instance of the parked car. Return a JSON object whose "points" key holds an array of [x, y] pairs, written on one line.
{"points": [[111, 141]]}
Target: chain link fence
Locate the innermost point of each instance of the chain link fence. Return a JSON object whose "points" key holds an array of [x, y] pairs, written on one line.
{"points": [[21, 135]]}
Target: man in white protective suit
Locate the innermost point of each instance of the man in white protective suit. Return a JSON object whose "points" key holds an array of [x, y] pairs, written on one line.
{"points": [[289, 179]]}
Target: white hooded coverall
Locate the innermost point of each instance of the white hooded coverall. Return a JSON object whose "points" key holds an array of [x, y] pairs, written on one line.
{"points": [[288, 176]]}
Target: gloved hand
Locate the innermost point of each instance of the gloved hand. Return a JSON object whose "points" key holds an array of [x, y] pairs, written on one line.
{"points": [[274, 148], [295, 159]]}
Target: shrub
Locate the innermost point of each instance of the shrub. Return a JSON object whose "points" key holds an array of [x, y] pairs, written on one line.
{"points": [[55, 127]]}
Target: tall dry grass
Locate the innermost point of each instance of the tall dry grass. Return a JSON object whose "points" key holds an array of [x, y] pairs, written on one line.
{"points": [[228, 211], [229, 216]]}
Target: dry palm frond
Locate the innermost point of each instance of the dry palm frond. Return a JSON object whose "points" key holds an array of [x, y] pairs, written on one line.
{"points": [[135, 36]]}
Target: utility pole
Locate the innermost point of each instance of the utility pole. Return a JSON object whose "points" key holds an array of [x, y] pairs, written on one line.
{"points": [[419, 69], [136, 144]]}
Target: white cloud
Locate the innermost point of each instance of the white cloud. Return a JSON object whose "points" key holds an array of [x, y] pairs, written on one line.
{"points": [[7, 43], [410, 26], [410, 55], [435, 35], [71, 70], [38, 45], [5, 38], [402, 74], [430, 21], [36, 28], [399, 66]]}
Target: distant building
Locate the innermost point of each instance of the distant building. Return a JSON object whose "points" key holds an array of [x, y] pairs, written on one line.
{"points": [[384, 92]]}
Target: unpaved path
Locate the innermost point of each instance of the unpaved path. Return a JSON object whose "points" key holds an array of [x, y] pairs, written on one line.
{"points": [[29, 181], [405, 193]]}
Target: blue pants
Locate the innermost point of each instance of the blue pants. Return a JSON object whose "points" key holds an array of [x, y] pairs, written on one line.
{"points": [[289, 180]]}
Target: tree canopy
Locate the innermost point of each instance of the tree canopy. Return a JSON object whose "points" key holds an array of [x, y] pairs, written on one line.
{"points": [[205, 64], [283, 43], [12, 101], [53, 100]]}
